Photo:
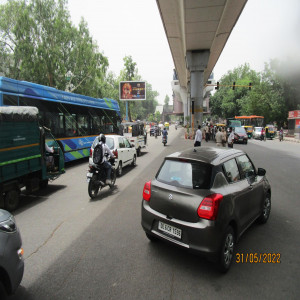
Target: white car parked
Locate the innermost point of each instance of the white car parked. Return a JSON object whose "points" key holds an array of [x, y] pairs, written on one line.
{"points": [[125, 153]]}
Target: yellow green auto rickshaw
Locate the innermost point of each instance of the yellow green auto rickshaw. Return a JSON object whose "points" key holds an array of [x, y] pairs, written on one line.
{"points": [[167, 125], [270, 131], [249, 130]]}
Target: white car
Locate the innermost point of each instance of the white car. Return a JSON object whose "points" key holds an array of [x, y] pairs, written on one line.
{"points": [[257, 132], [125, 153]]}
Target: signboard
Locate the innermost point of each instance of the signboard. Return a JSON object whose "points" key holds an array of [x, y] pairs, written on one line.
{"points": [[132, 90], [294, 114]]}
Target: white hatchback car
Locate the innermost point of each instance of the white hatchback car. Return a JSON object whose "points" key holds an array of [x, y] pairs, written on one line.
{"points": [[125, 153]]}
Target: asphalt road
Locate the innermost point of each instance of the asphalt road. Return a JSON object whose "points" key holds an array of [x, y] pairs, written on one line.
{"points": [[76, 248]]}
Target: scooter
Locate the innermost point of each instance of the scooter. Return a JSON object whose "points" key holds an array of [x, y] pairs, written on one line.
{"points": [[164, 140], [96, 178]]}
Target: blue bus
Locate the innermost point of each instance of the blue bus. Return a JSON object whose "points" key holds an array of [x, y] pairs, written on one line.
{"points": [[73, 119]]}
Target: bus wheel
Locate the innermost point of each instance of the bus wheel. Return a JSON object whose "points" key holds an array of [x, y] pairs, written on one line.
{"points": [[44, 184], [11, 200]]}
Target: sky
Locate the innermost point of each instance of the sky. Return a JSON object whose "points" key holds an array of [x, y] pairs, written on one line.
{"points": [[266, 29]]}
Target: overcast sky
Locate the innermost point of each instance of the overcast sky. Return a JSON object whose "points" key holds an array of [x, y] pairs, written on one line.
{"points": [[266, 29]]}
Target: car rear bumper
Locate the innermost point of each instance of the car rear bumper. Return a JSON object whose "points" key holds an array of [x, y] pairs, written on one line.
{"points": [[202, 238]]}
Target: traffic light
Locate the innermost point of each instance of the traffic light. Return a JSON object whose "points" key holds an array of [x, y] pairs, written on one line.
{"points": [[233, 86], [250, 85], [217, 87]]}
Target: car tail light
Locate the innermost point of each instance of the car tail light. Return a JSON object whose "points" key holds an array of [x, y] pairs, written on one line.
{"points": [[115, 152], [147, 191], [91, 152], [208, 209]]}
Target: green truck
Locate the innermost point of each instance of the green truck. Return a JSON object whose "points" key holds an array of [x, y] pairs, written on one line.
{"points": [[24, 161]]}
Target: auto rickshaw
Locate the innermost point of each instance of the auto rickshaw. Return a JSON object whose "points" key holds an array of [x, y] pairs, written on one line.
{"points": [[167, 125], [249, 130], [269, 132]]}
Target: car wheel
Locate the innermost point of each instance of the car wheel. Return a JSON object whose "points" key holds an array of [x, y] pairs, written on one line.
{"points": [[120, 168], [3, 293], [11, 200], [151, 237], [133, 161], [227, 250], [266, 210]]}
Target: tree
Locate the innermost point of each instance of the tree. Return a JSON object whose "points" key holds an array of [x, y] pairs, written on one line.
{"points": [[167, 100], [38, 43]]}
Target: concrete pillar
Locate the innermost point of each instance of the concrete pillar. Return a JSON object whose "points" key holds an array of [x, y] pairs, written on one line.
{"points": [[196, 63], [185, 112]]}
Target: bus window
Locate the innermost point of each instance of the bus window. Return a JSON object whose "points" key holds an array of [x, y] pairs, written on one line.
{"points": [[71, 128], [10, 100]]}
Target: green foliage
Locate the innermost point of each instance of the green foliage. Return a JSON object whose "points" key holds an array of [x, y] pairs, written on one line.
{"points": [[272, 95], [38, 43], [167, 100]]}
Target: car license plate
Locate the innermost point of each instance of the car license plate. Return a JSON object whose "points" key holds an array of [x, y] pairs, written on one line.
{"points": [[169, 229]]}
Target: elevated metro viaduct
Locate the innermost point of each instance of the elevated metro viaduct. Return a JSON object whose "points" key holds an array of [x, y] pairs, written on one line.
{"points": [[197, 31]]}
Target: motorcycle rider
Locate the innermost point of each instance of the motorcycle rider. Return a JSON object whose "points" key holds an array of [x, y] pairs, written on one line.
{"points": [[281, 134], [165, 134], [105, 163]]}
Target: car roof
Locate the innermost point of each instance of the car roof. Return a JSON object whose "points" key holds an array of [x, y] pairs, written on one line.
{"points": [[209, 155]]}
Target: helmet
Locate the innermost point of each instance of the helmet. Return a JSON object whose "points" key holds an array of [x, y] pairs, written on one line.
{"points": [[102, 138]]}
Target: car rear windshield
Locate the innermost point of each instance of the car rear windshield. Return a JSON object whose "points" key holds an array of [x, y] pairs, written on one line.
{"points": [[109, 142], [187, 174], [239, 130]]}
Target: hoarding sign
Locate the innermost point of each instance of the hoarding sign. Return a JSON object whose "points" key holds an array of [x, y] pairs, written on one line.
{"points": [[132, 90], [294, 114]]}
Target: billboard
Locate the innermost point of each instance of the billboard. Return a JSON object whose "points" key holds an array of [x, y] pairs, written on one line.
{"points": [[132, 90]]}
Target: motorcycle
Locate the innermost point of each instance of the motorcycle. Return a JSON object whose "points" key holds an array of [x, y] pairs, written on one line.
{"points": [[96, 178], [164, 140], [280, 136], [176, 126], [155, 133]]}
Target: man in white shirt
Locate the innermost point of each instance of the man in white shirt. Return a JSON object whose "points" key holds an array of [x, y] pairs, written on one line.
{"points": [[198, 137], [230, 138]]}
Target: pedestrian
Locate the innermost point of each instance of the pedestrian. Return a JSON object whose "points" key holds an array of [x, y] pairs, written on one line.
{"points": [[206, 133], [224, 137], [230, 138], [262, 134], [198, 137], [219, 137]]}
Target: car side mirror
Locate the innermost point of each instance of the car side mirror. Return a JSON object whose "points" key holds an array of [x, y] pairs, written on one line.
{"points": [[261, 172]]}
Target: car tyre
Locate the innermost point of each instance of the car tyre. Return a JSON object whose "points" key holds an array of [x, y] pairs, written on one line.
{"points": [[151, 237], [227, 250], [263, 218], [120, 169], [133, 161], [3, 293]]}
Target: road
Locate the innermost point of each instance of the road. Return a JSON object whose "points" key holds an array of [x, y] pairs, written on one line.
{"points": [[76, 248]]}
